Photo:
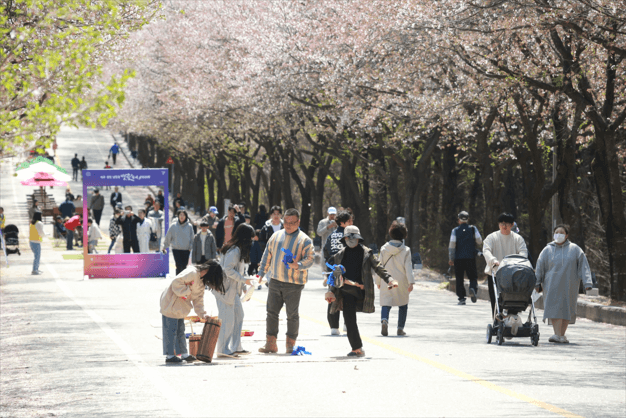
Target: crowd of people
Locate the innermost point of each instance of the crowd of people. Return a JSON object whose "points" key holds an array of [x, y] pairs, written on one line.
{"points": [[288, 253]]}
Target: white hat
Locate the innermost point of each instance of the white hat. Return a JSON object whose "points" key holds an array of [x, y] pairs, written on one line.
{"points": [[332, 210], [351, 231]]}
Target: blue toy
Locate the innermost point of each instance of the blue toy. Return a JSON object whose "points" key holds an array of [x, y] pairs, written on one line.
{"points": [[299, 351], [288, 258], [337, 270]]}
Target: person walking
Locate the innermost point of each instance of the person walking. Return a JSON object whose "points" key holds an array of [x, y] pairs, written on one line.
{"points": [[115, 230], [180, 237], [212, 219], [561, 266], [144, 229], [185, 291], [462, 255], [83, 166], [274, 224], [331, 247], [235, 253], [36, 235], [116, 198], [96, 205], [325, 227], [180, 200], [34, 208], [287, 279], [498, 245], [357, 292], [396, 259], [70, 226], [204, 247], [115, 149], [129, 230], [161, 198], [260, 218], [226, 226], [75, 167], [156, 216]]}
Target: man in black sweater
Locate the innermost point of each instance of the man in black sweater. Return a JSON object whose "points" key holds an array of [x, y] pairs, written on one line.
{"points": [[129, 229]]}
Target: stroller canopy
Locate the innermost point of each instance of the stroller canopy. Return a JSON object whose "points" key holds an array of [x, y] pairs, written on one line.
{"points": [[516, 275]]}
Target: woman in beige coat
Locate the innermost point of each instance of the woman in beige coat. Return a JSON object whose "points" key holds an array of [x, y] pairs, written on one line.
{"points": [[396, 259], [185, 290]]}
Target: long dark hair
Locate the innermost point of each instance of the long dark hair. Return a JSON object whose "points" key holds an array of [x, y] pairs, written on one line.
{"points": [[242, 238], [36, 217], [214, 277]]}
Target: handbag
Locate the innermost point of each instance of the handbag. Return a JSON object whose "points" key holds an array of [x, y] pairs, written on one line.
{"points": [[153, 236]]}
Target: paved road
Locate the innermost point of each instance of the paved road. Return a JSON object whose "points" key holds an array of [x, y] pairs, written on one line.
{"points": [[71, 347]]}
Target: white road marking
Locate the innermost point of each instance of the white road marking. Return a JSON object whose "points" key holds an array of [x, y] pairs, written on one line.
{"points": [[176, 403]]}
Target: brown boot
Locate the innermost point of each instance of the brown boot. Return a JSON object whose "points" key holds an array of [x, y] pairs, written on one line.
{"points": [[270, 345], [290, 345]]}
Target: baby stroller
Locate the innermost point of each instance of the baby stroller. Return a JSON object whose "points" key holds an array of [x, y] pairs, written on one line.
{"points": [[514, 283], [12, 238]]}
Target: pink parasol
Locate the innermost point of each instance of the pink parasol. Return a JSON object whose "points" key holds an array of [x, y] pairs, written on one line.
{"points": [[42, 179]]}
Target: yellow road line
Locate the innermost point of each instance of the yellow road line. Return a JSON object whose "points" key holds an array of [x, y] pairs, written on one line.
{"points": [[455, 372]]}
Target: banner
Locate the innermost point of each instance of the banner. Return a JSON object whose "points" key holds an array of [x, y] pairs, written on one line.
{"points": [[127, 265]]}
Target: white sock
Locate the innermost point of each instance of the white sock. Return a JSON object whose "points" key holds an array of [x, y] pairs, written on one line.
{"points": [[185, 355], [170, 356]]}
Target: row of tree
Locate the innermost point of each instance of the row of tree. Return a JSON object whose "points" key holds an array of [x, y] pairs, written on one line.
{"points": [[394, 108]]}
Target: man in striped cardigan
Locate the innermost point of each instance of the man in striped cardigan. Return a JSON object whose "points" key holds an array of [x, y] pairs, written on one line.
{"points": [[286, 280]]}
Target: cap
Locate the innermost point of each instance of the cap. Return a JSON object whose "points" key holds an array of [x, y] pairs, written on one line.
{"points": [[351, 231], [332, 210], [464, 216], [213, 209]]}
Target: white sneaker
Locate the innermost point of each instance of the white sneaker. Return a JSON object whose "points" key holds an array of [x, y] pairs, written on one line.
{"points": [[555, 339], [334, 331], [564, 340]]}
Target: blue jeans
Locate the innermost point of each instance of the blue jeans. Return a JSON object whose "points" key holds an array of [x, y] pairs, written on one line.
{"points": [[111, 246], [69, 239], [36, 247], [402, 310], [174, 336]]}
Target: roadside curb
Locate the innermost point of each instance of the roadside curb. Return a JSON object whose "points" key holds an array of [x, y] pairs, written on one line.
{"points": [[614, 315]]}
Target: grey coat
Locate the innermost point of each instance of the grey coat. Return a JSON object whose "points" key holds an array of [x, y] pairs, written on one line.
{"points": [[210, 249], [560, 268], [180, 237], [370, 262]]}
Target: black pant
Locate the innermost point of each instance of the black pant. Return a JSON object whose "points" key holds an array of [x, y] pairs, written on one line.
{"points": [[462, 266], [75, 174], [181, 258], [203, 260], [114, 158], [253, 269], [333, 319], [97, 214], [134, 244], [349, 316], [492, 295]]}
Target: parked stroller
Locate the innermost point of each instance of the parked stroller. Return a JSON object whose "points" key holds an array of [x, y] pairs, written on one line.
{"points": [[12, 239], [514, 283]]}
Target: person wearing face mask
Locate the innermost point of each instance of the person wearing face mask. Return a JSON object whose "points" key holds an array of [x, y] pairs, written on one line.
{"points": [[498, 245], [204, 247], [560, 268], [357, 292]]}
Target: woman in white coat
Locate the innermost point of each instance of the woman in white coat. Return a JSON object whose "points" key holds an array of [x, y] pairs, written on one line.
{"points": [[560, 268], [235, 253], [396, 259], [144, 228]]}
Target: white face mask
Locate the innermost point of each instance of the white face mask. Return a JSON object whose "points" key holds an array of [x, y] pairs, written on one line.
{"points": [[559, 238], [352, 242]]}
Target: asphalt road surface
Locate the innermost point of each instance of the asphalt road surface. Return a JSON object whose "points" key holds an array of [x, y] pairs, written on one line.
{"points": [[74, 347]]}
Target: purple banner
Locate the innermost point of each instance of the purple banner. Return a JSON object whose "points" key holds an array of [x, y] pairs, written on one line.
{"points": [[127, 265]]}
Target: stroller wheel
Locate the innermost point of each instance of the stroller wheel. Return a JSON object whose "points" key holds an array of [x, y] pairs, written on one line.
{"points": [[534, 339], [489, 333], [500, 338]]}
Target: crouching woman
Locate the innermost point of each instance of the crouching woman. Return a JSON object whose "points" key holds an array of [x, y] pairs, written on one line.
{"points": [[356, 293], [185, 291]]}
